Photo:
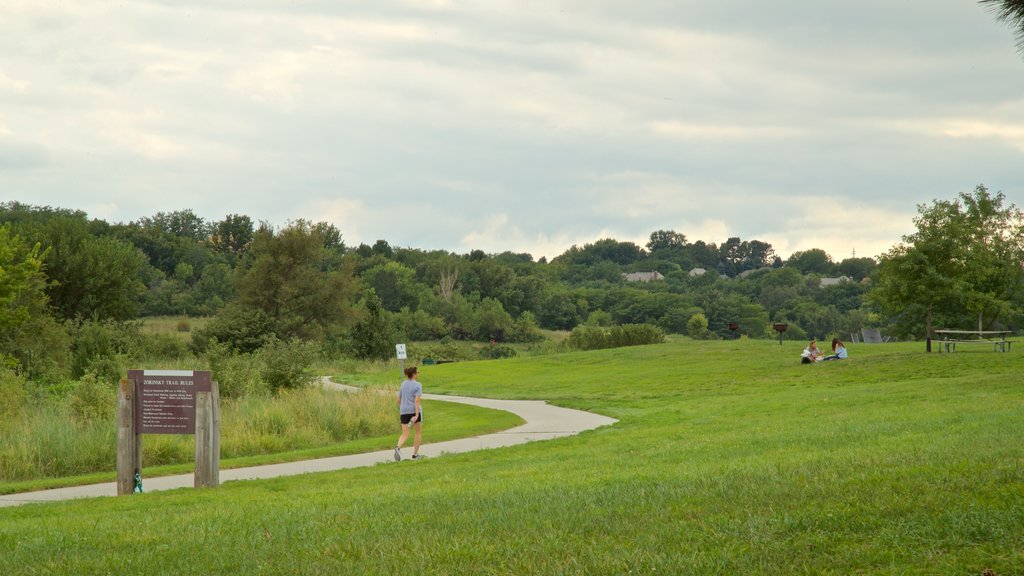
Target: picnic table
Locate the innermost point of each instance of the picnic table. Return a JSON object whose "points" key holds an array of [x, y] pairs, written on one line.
{"points": [[995, 338]]}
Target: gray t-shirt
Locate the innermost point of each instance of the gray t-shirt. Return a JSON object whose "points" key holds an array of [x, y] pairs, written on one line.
{"points": [[407, 394]]}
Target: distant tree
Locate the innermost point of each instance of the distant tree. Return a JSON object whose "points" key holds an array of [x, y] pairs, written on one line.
{"points": [[813, 261], [621, 253], [857, 268], [296, 279], [373, 336], [1011, 12], [182, 223], [666, 241], [394, 284], [704, 255], [233, 234], [382, 248]]}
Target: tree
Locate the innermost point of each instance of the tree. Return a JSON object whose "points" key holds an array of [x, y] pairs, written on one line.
{"points": [[666, 241], [813, 261], [22, 295], [373, 335], [964, 262], [233, 234], [1011, 12], [857, 268], [297, 280]]}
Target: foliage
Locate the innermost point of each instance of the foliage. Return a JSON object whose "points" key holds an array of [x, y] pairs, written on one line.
{"points": [[372, 336], [93, 399], [12, 394], [813, 261], [586, 337], [286, 365], [102, 347], [1011, 12], [697, 327], [298, 280], [961, 266], [242, 329], [239, 374], [22, 297]]}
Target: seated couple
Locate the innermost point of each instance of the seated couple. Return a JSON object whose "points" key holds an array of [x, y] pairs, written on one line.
{"points": [[812, 354]]}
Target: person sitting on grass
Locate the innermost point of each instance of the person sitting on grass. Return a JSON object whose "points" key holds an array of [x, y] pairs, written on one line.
{"points": [[839, 348], [811, 354]]}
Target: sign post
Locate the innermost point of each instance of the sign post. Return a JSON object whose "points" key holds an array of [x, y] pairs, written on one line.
{"points": [[400, 352], [168, 402]]}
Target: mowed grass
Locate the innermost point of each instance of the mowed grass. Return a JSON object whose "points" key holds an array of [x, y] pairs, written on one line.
{"points": [[729, 457]]}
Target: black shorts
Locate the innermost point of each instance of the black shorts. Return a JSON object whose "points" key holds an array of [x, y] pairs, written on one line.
{"points": [[406, 418]]}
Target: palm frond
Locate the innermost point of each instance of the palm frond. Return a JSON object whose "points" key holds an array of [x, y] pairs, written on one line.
{"points": [[1011, 12]]}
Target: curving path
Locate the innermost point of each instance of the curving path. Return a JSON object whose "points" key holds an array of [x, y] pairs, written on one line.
{"points": [[543, 422]]}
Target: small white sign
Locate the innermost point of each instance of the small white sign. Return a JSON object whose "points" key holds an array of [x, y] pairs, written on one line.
{"points": [[400, 349]]}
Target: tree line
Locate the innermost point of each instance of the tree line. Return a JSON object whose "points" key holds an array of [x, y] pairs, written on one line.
{"points": [[64, 273]]}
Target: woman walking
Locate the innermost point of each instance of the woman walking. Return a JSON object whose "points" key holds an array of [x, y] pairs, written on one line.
{"points": [[410, 412]]}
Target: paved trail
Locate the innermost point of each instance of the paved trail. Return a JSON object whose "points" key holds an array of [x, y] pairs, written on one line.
{"points": [[543, 422]]}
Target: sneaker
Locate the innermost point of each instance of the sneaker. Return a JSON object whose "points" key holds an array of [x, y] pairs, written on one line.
{"points": [[418, 456], [398, 454]]}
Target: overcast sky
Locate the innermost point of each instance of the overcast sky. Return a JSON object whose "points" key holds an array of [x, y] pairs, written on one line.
{"points": [[519, 125]]}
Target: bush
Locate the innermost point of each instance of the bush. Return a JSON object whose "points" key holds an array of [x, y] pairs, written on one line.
{"points": [[418, 326], [243, 329], [100, 347], [12, 393], [585, 337], [286, 365], [636, 335], [524, 329], [697, 326], [497, 351], [238, 375], [93, 399]]}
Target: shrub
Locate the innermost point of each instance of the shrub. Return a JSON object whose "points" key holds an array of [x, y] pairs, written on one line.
{"points": [[585, 337], [635, 335], [243, 329], [697, 326], [101, 347], [92, 399], [497, 351], [287, 364], [524, 329], [12, 393], [238, 374]]}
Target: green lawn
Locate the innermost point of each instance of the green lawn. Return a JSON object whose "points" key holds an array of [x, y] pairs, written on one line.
{"points": [[729, 458]]}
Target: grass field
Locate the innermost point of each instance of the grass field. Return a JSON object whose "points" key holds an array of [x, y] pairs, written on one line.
{"points": [[729, 458]]}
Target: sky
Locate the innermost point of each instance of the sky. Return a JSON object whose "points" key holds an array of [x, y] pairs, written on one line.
{"points": [[523, 126]]}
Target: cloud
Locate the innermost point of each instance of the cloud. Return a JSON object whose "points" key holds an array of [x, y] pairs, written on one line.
{"points": [[525, 126]]}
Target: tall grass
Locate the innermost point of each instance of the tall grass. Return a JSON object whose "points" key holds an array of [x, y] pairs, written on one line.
{"points": [[51, 440]]}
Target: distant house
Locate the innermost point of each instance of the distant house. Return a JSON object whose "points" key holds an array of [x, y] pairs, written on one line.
{"points": [[643, 276], [746, 273], [834, 281], [698, 272]]}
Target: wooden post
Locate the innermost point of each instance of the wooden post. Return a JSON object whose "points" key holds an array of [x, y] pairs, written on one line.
{"points": [[129, 443], [208, 438]]}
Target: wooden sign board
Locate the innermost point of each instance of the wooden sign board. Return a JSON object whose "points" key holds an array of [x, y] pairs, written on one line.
{"points": [[166, 400]]}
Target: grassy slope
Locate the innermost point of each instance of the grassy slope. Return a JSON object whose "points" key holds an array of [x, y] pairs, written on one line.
{"points": [[730, 456]]}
